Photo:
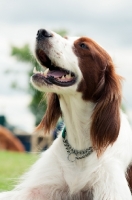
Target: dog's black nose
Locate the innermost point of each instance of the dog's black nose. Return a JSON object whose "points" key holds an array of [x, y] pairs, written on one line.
{"points": [[42, 33]]}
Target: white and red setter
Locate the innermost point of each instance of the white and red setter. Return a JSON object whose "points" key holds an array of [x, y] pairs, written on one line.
{"points": [[91, 158]]}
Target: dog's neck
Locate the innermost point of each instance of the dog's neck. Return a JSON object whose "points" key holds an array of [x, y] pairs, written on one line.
{"points": [[77, 117]]}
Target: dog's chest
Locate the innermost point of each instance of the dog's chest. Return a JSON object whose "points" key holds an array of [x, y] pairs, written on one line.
{"points": [[82, 195], [77, 185]]}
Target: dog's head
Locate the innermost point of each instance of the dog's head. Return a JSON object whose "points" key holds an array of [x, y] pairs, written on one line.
{"points": [[70, 64], [79, 65]]}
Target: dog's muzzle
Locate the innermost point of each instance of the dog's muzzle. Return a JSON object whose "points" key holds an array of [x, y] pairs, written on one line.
{"points": [[53, 74]]}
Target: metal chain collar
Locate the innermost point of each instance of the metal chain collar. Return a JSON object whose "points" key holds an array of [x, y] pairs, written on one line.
{"points": [[74, 154]]}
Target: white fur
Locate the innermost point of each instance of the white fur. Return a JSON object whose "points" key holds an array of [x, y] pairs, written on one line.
{"points": [[53, 176]]}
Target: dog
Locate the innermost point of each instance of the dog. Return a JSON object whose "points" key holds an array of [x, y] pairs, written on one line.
{"points": [[91, 158]]}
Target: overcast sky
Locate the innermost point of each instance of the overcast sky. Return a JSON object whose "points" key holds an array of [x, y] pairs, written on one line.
{"points": [[108, 19], [109, 22]]}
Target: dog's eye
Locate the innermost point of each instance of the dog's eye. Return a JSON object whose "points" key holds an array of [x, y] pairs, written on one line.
{"points": [[83, 46]]}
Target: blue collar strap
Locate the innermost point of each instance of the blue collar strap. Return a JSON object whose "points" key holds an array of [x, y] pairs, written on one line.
{"points": [[64, 133]]}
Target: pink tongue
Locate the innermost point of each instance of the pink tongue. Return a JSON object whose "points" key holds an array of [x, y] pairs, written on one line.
{"points": [[56, 73]]}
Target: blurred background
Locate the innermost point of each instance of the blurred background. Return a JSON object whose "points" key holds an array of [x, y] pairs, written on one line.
{"points": [[108, 22]]}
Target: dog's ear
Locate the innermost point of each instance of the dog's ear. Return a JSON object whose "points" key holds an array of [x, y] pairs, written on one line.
{"points": [[52, 114], [106, 116]]}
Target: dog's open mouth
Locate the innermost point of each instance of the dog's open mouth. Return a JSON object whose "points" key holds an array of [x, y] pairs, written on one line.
{"points": [[52, 74]]}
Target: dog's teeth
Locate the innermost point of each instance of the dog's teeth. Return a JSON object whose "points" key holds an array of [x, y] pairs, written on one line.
{"points": [[41, 72], [62, 77], [45, 72], [35, 70], [68, 76]]}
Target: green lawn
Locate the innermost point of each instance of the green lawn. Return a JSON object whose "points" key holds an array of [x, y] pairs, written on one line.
{"points": [[12, 166]]}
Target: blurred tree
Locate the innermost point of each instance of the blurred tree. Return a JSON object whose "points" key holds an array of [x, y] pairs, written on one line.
{"points": [[38, 103], [37, 106]]}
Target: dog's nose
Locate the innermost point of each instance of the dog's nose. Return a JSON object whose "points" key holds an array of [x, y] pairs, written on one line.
{"points": [[42, 33]]}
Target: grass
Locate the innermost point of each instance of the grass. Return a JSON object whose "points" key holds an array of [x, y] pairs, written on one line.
{"points": [[12, 166]]}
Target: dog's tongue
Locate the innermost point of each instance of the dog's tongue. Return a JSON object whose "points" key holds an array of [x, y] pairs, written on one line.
{"points": [[56, 73]]}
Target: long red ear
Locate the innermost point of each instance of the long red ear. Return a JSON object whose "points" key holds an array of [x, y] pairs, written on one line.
{"points": [[106, 116], [52, 114]]}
